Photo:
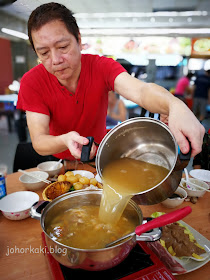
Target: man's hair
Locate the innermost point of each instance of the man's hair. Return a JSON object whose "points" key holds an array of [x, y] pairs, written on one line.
{"points": [[50, 12]]}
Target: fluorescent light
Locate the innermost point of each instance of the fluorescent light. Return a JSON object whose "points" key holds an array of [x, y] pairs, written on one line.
{"points": [[143, 15], [148, 31], [15, 33]]}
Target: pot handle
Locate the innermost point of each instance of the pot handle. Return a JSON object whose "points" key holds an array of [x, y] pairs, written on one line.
{"points": [[152, 235], [37, 208], [85, 156], [163, 220], [184, 159]]}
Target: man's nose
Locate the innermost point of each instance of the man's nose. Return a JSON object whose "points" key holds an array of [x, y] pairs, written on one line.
{"points": [[56, 57]]}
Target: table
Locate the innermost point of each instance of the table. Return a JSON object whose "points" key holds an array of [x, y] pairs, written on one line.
{"points": [[27, 234]]}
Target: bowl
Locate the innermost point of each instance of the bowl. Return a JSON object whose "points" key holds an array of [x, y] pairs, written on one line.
{"points": [[192, 191], [84, 173], [33, 184], [47, 167], [201, 174], [17, 205], [174, 202]]}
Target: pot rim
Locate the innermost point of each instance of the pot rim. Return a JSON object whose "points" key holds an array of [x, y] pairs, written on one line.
{"points": [[74, 193], [133, 120]]}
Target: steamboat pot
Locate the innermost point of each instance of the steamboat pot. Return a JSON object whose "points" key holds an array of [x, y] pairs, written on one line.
{"points": [[97, 259], [148, 140]]}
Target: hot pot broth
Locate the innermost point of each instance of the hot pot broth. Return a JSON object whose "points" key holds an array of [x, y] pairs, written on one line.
{"points": [[82, 228], [123, 178], [94, 226]]}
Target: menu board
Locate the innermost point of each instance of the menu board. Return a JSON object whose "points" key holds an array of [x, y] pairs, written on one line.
{"points": [[200, 48]]}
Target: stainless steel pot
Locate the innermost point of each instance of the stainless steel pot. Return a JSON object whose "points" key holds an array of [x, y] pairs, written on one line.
{"points": [[148, 140], [98, 259]]}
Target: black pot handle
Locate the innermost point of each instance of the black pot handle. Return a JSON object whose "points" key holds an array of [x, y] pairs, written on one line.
{"points": [[184, 158], [37, 208], [85, 156]]}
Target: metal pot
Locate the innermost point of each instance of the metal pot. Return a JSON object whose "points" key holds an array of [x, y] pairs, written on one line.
{"points": [[98, 259], [148, 140]]}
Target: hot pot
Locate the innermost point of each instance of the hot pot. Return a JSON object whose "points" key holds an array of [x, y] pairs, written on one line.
{"points": [[98, 259]]}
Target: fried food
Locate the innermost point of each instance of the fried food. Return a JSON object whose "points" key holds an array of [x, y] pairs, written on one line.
{"points": [[56, 189]]}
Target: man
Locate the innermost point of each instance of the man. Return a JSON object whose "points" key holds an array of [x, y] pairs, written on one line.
{"points": [[201, 96], [66, 96]]}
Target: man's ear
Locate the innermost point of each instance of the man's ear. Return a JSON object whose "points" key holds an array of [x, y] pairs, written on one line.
{"points": [[80, 41]]}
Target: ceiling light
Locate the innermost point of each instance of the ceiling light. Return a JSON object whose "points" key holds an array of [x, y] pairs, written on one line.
{"points": [[148, 31], [137, 15], [15, 33]]}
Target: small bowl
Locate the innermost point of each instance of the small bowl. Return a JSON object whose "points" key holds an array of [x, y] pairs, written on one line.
{"points": [[16, 206], [47, 165], [201, 174], [84, 173], [192, 191], [174, 202], [33, 184]]}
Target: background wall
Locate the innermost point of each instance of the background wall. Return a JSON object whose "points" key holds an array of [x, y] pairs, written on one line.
{"points": [[6, 71]]}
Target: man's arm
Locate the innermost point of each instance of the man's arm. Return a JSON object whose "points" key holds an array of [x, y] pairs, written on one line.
{"points": [[46, 144], [181, 121]]}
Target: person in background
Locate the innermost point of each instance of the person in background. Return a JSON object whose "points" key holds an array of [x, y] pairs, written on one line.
{"points": [[66, 96], [117, 111], [201, 95], [202, 160], [183, 87]]}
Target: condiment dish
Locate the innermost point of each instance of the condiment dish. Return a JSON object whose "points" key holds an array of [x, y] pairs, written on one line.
{"points": [[31, 183], [16, 206], [191, 189], [201, 174], [47, 167], [173, 201]]}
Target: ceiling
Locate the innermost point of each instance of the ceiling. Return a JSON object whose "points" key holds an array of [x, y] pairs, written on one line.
{"points": [[114, 17]]}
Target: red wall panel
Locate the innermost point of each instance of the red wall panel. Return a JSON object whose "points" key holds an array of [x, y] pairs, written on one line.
{"points": [[6, 73]]}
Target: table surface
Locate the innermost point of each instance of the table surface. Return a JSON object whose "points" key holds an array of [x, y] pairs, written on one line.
{"points": [[26, 234]]}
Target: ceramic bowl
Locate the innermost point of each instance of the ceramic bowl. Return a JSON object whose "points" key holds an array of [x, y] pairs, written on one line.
{"points": [[192, 191], [17, 205], [201, 174], [47, 166], [174, 202], [33, 184], [84, 173]]}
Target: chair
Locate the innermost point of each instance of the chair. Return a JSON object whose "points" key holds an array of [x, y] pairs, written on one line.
{"points": [[26, 157]]}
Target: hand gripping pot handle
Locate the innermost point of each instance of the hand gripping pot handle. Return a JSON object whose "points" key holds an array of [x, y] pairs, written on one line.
{"points": [[85, 156], [36, 209], [164, 220]]}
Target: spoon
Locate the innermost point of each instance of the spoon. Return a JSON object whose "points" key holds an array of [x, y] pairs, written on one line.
{"points": [[163, 220], [187, 177], [196, 186], [55, 165]]}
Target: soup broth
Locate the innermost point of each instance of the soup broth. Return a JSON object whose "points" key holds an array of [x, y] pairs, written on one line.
{"points": [[123, 178], [81, 227]]}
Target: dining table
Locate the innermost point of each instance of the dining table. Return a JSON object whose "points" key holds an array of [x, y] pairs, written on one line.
{"points": [[26, 260]]}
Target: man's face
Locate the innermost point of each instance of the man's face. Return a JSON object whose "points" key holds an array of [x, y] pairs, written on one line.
{"points": [[58, 50]]}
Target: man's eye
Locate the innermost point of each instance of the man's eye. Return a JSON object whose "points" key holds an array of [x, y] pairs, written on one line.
{"points": [[45, 53], [64, 47]]}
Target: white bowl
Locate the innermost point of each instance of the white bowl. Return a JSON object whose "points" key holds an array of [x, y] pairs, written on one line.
{"points": [[84, 173], [16, 206], [201, 174], [192, 191], [33, 184], [47, 167], [174, 202]]}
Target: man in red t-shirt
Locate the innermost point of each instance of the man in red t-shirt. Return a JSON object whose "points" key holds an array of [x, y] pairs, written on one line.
{"points": [[66, 96]]}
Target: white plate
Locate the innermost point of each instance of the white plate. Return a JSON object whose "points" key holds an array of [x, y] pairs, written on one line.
{"points": [[98, 178], [84, 173], [188, 263], [201, 174]]}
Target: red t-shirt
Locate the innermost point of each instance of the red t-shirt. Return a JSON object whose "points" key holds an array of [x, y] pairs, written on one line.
{"points": [[85, 111]]}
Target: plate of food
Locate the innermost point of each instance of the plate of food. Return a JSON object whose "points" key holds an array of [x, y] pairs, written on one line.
{"points": [[70, 181], [181, 248]]}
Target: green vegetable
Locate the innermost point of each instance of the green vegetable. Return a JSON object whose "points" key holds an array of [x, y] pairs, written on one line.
{"points": [[157, 214]]}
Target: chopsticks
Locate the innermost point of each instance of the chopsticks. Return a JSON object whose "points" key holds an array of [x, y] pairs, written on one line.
{"points": [[33, 176], [194, 185]]}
